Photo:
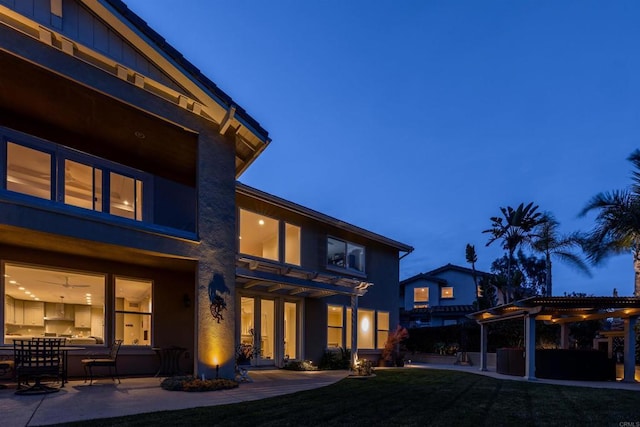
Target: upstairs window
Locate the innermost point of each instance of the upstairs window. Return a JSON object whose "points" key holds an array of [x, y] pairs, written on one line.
{"points": [[420, 297], [446, 292], [265, 237], [345, 254], [28, 171], [56, 173]]}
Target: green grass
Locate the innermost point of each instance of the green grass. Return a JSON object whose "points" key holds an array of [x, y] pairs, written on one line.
{"points": [[415, 397]]}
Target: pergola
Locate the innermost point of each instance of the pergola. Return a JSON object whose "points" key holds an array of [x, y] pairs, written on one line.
{"points": [[563, 311]]}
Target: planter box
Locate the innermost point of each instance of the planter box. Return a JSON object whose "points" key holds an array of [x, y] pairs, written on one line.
{"points": [[582, 365], [510, 361]]}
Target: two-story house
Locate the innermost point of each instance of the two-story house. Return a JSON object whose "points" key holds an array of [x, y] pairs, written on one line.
{"points": [[121, 216], [439, 297]]}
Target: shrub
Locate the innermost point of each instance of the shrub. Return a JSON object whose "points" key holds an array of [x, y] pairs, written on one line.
{"points": [[300, 365], [336, 359]]}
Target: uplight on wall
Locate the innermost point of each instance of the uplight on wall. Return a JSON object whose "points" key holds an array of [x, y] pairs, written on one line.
{"points": [[364, 325]]}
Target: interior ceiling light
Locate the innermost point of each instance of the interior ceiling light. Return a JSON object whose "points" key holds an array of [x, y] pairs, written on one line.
{"points": [[139, 134]]}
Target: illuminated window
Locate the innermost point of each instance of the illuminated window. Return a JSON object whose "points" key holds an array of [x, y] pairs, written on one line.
{"points": [[133, 311], [366, 328], [446, 292], [345, 255], [125, 196], [420, 297], [479, 291], [28, 171], [258, 235], [292, 244], [82, 185], [43, 301], [78, 181], [334, 326], [383, 328]]}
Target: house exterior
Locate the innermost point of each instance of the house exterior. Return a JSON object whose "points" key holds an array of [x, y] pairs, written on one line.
{"points": [[439, 297], [121, 216]]}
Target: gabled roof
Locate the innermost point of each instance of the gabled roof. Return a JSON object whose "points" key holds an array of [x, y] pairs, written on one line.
{"points": [[320, 217], [174, 54], [432, 275]]}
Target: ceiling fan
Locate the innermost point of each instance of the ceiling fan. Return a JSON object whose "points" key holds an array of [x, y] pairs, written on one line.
{"points": [[66, 284]]}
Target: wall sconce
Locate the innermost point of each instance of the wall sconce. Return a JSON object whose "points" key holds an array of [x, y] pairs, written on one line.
{"points": [[186, 300]]}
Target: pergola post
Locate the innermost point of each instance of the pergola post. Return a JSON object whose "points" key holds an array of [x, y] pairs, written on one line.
{"points": [[354, 330], [564, 336], [530, 347], [629, 349], [484, 329]]}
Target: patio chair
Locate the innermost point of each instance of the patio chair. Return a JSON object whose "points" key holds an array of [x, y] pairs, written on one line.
{"points": [[108, 361], [36, 359]]}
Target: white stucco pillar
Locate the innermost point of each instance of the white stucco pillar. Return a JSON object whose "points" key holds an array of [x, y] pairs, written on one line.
{"points": [[629, 350], [530, 347], [564, 336], [354, 329], [484, 335]]}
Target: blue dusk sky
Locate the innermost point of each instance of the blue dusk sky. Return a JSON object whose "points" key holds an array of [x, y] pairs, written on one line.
{"points": [[418, 120]]}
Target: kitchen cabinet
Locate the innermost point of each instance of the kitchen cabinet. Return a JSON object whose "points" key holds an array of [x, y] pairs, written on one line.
{"points": [[18, 310], [82, 316], [9, 310], [59, 311], [33, 313]]}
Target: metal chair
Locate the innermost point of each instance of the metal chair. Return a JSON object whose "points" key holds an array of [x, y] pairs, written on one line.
{"points": [[37, 359], [108, 361]]}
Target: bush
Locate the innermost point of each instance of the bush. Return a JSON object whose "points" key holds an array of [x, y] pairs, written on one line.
{"points": [[336, 359], [191, 383], [300, 365]]}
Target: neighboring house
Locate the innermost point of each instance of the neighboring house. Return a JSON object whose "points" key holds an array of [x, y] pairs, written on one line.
{"points": [[121, 216], [439, 297]]}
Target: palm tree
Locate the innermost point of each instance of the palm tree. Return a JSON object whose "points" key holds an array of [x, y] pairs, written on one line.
{"points": [[516, 230], [549, 242], [617, 228], [472, 258]]}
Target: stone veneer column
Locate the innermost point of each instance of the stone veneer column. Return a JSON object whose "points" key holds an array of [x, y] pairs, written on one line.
{"points": [[215, 341]]}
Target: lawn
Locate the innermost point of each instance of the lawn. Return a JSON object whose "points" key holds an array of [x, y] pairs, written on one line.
{"points": [[415, 397]]}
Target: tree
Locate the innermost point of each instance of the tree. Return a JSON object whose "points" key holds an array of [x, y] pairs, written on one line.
{"points": [[617, 224], [548, 241], [527, 275], [472, 258], [514, 229]]}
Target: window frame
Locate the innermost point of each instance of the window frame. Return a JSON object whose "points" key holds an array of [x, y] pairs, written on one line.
{"points": [[346, 267], [281, 230], [442, 292], [58, 155], [421, 303]]}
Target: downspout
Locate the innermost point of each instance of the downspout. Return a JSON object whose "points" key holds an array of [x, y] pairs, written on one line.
{"points": [[408, 252]]}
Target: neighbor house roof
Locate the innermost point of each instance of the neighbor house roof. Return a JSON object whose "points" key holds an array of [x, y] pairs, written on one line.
{"points": [[432, 275], [318, 216]]}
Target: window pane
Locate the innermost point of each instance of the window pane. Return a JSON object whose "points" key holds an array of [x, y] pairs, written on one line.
{"points": [[290, 331], [78, 185], [97, 179], [122, 196], [246, 320], [138, 200], [292, 244], [258, 235], [420, 297], [28, 171], [56, 303], [336, 250], [355, 257], [365, 329], [334, 322], [383, 328], [447, 292], [348, 328], [133, 311]]}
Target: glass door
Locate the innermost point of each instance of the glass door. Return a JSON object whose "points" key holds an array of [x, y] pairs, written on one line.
{"points": [[257, 329]]}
